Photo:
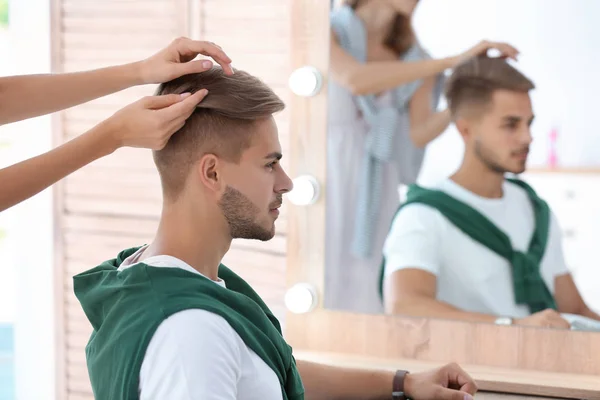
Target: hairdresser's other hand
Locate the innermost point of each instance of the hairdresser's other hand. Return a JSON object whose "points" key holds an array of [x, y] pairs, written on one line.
{"points": [[150, 121], [449, 382], [505, 49], [178, 59]]}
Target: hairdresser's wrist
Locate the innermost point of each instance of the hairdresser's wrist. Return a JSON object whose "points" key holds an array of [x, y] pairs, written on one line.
{"points": [[107, 136], [133, 73], [452, 62]]}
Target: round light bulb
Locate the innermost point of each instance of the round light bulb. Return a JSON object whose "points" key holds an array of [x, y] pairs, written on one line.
{"points": [[305, 191], [305, 81], [300, 298]]}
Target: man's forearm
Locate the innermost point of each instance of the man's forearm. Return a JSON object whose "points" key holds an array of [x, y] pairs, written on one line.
{"points": [[432, 308], [30, 96], [25, 179], [590, 314], [331, 383]]}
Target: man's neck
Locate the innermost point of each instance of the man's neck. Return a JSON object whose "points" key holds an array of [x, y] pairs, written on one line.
{"points": [[479, 179], [201, 245]]}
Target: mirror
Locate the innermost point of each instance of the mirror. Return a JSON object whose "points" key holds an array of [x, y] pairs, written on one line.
{"points": [[384, 136]]}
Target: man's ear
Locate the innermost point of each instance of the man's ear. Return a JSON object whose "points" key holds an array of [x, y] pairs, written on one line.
{"points": [[209, 171], [463, 126]]}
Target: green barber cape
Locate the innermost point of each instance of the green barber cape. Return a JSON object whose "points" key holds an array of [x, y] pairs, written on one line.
{"points": [[529, 286], [126, 307]]}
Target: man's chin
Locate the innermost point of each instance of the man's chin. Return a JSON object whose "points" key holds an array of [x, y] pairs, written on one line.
{"points": [[518, 167], [265, 238], [264, 235]]}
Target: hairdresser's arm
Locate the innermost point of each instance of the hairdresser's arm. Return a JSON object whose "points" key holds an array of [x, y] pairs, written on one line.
{"points": [[425, 124], [377, 76], [28, 96], [147, 123]]}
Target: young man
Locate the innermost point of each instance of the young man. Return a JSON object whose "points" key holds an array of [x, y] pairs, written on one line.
{"points": [[171, 322], [479, 247], [147, 123]]}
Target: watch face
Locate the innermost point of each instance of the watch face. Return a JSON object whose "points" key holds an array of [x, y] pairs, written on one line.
{"points": [[398, 396]]}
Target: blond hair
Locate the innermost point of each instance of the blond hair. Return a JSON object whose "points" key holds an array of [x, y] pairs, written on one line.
{"points": [[470, 87], [222, 124]]}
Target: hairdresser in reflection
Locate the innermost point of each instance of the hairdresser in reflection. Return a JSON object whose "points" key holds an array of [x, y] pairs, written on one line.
{"points": [[479, 246], [383, 97]]}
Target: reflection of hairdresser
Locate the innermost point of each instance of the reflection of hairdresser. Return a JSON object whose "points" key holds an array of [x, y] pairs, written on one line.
{"points": [[148, 122], [478, 246], [382, 113]]}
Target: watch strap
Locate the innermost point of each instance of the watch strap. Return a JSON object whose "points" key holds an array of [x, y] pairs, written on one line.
{"points": [[398, 385]]}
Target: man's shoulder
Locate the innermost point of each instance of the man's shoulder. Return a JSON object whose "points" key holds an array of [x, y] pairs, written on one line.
{"points": [[192, 342], [416, 216], [199, 321], [519, 190], [197, 328], [417, 211]]}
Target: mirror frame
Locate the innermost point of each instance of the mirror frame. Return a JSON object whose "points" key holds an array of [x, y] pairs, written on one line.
{"points": [[490, 353]]}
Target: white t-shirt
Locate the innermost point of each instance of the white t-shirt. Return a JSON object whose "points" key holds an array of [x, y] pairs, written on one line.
{"points": [[470, 276], [196, 355]]}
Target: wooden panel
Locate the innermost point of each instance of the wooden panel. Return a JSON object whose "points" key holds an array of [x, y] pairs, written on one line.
{"points": [[118, 9], [265, 11], [306, 225], [88, 35]]}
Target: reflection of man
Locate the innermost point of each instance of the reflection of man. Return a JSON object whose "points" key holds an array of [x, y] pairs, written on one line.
{"points": [[171, 322], [480, 247]]}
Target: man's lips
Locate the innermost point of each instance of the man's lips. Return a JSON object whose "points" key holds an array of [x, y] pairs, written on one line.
{"points": [[521, 154]]}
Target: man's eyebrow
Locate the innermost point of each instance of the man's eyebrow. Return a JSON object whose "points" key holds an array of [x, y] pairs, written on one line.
{"points": [[276, 155], [511, 118]]}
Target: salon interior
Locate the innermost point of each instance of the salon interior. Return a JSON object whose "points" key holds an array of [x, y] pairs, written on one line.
{"points": [[343, 282]]}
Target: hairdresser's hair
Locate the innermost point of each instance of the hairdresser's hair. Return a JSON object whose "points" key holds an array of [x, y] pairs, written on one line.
{"points": [[470, 88], [222, 124], [401, 35]]}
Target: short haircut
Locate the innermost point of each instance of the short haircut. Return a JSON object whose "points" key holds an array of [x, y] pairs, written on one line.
{"points": [[222, 124], [470, 88]]}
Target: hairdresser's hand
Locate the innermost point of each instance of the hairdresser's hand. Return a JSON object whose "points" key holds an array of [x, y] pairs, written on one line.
{"points": [[151, 121], [505, 49], [177, 59], [544, 319], [449, 382]]}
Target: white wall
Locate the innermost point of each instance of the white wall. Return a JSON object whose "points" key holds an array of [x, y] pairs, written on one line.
{"points": [[33, 236], [7, 218], [559, 43]]}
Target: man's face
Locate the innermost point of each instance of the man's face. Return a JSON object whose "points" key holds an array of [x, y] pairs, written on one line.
{"points": [[255, 186], [500, 138]]}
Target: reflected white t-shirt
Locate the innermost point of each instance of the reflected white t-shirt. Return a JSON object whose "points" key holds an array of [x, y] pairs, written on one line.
{"points": [[470, 276], [196, 355]]}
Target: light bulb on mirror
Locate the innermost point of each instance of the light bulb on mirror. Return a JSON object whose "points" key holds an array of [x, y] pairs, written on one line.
{"points": [[305, 81], [301, 298], [305, 191]]}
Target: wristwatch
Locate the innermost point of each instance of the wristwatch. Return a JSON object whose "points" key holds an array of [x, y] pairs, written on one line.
{"points": [[503, 321], [398, 386]]}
